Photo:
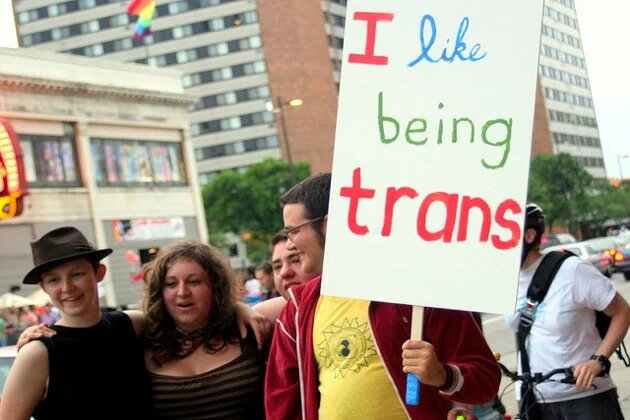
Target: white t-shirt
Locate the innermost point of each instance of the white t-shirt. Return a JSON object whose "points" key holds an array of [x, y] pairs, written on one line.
{"points": [[564, 332], [253, 286]]}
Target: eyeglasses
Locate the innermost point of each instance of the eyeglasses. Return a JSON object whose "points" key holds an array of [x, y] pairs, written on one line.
{"points": [[291, 232]]}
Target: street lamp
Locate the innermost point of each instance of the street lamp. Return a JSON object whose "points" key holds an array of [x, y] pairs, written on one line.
{"points": [[277, 106], [619, 163]]}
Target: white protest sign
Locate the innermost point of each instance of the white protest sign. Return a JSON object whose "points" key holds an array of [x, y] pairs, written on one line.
{"points": [[432, 152]]}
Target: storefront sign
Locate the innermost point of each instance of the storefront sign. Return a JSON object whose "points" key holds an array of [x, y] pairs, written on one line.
{"points": [[143, 229], [12, 181]]}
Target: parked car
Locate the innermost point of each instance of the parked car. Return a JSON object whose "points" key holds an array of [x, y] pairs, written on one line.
{"points": [[7, 357], [622, 259], [598, 251], [553, 239]]}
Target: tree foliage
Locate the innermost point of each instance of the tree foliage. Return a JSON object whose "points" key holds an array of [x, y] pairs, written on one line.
{"points": [[571, 197], [562, 188], [610, 203], [246, 203]]}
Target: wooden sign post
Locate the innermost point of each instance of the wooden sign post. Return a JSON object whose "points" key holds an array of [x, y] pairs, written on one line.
{"points": [[413, 383]]}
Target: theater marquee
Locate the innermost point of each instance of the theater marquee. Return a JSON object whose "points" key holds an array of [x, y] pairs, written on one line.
{"points": [[12, 181]]}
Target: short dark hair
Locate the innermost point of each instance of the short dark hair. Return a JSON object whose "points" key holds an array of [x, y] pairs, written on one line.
{"points": [[313, 193], [264, 266], [280, 236]]}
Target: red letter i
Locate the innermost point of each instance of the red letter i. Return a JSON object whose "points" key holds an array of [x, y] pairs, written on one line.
{"points": [[368, 57]]}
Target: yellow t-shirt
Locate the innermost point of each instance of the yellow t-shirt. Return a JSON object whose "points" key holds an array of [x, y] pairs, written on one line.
{"points": [[353, 382]]}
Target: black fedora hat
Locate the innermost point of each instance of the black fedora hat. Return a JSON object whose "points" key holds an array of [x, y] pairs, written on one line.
{"points": [[60, 246]]}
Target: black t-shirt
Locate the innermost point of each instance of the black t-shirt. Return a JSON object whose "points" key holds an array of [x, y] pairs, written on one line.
{"points": [[96, 372]]}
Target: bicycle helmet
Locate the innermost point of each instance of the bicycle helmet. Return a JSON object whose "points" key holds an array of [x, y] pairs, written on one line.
{"points": [[534, 218]]}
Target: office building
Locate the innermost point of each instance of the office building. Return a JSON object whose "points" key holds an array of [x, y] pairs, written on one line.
{"points": [[567, 94], [237, 55], [244, 80]]}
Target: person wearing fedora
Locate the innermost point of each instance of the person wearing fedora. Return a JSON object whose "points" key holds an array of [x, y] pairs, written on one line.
{"points": [[93, 365]]}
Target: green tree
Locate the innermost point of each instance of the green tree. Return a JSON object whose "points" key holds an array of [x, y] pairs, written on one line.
{"points": [[610, 202], [562, 188], [246, 203]]}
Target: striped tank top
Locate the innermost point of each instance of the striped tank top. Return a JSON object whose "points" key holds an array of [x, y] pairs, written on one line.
{"points": [[231, 391]]}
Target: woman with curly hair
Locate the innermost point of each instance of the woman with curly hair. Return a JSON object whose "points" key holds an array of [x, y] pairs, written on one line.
{"points": [[199, 367]]}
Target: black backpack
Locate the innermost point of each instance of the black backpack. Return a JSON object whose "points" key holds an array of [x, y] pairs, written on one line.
{"points": [[537, 291]]}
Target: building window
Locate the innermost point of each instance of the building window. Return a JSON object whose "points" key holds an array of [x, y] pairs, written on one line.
{"points": [[137, 163], [50, 161], [239, 147], [25, 17], [207, 177], [576, 140], [87, 4], [60, 33], [53, 10], [229, 98], [225, 73], [230, 123], [177, 7], [121, 19]]}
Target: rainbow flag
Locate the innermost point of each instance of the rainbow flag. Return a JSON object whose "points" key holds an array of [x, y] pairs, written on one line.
{"points": [[144, 9]]}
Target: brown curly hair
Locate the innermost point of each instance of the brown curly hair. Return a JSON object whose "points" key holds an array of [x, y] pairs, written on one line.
{"points": [[160, 329]]}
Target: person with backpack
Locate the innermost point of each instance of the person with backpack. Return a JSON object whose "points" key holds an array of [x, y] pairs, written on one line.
{"points": [[557, 329]]}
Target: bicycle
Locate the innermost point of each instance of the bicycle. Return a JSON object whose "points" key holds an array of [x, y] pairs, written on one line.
{"points": [[527, 404]]}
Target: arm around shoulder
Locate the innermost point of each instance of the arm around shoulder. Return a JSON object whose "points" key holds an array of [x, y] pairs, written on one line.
{"points": [[26, 383], [271, 308]]}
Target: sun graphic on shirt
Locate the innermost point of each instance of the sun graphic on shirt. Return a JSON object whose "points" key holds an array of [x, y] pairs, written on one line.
{"points": [[346, 347]]}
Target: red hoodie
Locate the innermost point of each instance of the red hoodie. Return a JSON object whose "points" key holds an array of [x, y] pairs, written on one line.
{"points": [[291, 384]]}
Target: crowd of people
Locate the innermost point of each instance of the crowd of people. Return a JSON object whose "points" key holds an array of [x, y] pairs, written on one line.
{"points": [[14, 320], [201, 349], [257, 285]]}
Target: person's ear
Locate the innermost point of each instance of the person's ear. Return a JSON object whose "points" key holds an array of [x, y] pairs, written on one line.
{"points": [[100, 272], [324, 224]]}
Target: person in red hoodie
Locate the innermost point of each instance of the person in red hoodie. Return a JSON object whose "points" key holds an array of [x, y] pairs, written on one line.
{"points": [[339, 358]]}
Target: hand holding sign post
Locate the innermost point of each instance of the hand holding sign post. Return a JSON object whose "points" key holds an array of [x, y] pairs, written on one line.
{"points": [[413, 383], [432, 152]]}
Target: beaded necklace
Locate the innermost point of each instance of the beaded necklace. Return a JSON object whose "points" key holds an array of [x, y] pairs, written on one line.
{"points": [[187, 341]]}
